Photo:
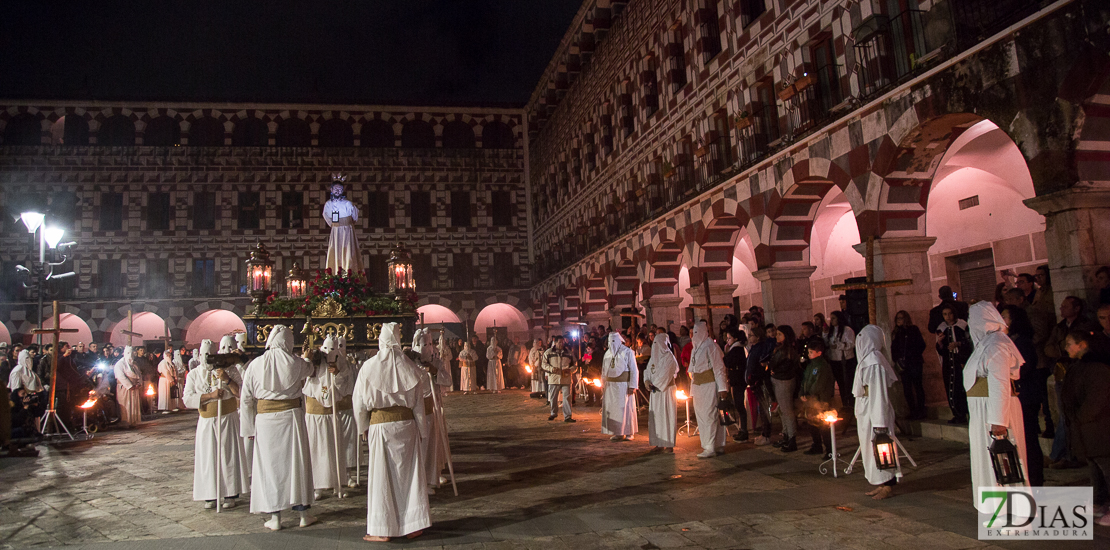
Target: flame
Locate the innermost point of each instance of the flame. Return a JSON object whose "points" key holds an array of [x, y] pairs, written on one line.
{"points": [[830, 417], [681, 395], [150, 389], [528, 369], [88, 404], [597, 382]]}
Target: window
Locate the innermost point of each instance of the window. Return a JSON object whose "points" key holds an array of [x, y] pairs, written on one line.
{"points": [[504, 273], [117, 131], [828, 75], [376, 272], [158, 212], [676, 59], [709, 30], [157, 282], [109, 279], [250, 132], [651, 92], [204, 210], [460, 208], [377, 133], [249, 209], [423, 272], [503, 208], [111, 211], [421, 209], [463, 270], [204, 278], [162, 132], [24, 129], [292, 210], [293, 132], [377, 208], [458, 135], [750, 10], [336, 132], [498, 135], [418, 134], [206, 132]]}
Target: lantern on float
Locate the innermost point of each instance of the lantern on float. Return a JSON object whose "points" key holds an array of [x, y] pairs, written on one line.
{"points": [[401, 282], [1005, 460], [885, 450], [295, 283], [260, 270]]}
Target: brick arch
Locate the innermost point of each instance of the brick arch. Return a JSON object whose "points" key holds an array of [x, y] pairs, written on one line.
{"points": [[715, 238], [1092, 148]]}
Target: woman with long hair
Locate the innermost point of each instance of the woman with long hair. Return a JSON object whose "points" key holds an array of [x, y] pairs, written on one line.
{"points": [[820, 326], [783, 367], [841, 340], [907, 347], [1031, 387]]}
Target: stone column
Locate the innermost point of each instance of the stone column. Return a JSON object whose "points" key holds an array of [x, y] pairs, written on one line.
{"points": [[787, 295], [720, 293], [661, 309], [1077, 222], [908, 258]]}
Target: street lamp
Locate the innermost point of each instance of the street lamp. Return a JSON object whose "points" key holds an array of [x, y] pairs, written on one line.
{"points": [[295, 283], [44, 271], [260, 270]]}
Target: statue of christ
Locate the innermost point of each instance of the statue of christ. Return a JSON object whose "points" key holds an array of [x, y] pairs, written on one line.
{"points": [[341, 215]]}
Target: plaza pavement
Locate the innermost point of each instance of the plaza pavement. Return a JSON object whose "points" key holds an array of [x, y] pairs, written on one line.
{"points": [[523, 482]]}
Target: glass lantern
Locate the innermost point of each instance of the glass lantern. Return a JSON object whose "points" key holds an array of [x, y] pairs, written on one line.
{"points": [[399, 265], [295, 283], [885, 450], [1006, 461], [260, 270]]}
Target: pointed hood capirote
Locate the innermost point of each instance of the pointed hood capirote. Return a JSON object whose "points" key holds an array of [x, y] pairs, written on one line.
{"points": [[391, 371], [279, 367], [616, 342], [869, 350], [992, 345]]}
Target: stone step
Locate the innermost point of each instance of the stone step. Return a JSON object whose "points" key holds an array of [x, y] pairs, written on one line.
{"points": [[941, 429]]}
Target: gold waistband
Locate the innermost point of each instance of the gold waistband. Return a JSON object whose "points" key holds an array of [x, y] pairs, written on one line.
{"points": [[982, 389], [704, 377], [265, 406], [313, 406], [209, 409], [390, 414], [344, 221], [623, 377]]}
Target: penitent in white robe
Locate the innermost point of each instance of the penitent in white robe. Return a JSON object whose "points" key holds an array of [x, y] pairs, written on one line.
{"points": [[468, 369], [167, 378], [661, 371], [998, 360], [618, 408], [281, 476], [233, 460], [495, 376], [129, 389], [321, 433], [535, 359], [340, 215], [705, 357], [23, 375], [397, 499], [871, 388]]}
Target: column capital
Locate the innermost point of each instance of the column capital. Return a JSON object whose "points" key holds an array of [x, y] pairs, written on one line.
{"points": [[1082, 195], [663, 301], [897, 245], [793, 272]]}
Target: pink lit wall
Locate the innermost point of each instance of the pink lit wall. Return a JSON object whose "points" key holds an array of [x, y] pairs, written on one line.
{"points": [[435, 313], [212, 325], [69, 321], [504, 315], [749, 291], [5, 336], [148, 324], [834, 234]]}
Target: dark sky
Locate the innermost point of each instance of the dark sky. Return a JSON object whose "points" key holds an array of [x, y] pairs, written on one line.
{"points": [[447, 52]]}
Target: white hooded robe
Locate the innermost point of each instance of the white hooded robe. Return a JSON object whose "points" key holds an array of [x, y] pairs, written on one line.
{"points": [[167, 378], [871, 388], [397, 499], [661, 371], [23, 375], [129, 389], [321, 433], [281, 475], [495, 374], [468, 369], [233, 459], [618, 407], [704, 357]]}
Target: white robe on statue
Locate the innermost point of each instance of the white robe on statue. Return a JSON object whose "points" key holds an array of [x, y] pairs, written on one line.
{"points": [[281, 476], [397, 500], [618, 407], [495, 375], [233, 460], [997, 360], [129, 389], [341, 215], [327, 472], [871, 388], [708, 379], [468, 369], [661, 371]]}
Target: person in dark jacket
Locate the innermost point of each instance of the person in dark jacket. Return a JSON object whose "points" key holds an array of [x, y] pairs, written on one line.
{"points": [[736, 364], [756, 377], [1031, 388], [818, 386], [907, 347], [954, 348], [1085, 402], [783, 367]]}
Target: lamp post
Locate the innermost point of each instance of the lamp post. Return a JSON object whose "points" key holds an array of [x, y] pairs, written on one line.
{"points": [[401, 282], [43, 271], [260, 269], [295, 283]]}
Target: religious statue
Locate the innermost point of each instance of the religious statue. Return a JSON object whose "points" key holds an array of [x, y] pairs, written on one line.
{"points": [[341, 215]]}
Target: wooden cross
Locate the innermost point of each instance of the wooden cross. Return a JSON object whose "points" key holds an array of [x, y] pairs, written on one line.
{"points": [[634, 310], [871, 284], [130, 332], [166, 340], [57, 332], [709, 306]]}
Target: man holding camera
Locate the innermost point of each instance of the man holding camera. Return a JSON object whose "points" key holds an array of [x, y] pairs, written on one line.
{"points": [[558, 363]]}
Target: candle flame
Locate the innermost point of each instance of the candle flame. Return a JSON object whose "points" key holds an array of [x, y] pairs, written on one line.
{"points": [[681, 395], [88, 404], [528, 369], [150, 389], [597, 382], [830, 417]]}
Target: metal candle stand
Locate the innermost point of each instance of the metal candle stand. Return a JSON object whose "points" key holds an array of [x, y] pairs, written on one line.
{"points": [[687, 426], [832, 420]]}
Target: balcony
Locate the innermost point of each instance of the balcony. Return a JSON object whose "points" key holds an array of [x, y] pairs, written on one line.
{"points": [[755, 133], [977, 20], [889, 50]]}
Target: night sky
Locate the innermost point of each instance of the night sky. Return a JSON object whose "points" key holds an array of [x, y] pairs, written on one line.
{"points": [[411, 52]]}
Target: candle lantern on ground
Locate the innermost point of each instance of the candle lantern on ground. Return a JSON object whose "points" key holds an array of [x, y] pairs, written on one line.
{"points": [[401, 282], [884, 449], [260, 269], [1005, 460], [295, 282]]}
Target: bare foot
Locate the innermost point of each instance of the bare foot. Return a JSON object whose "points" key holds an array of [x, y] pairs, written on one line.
{"points": [[414, 535], [874, 491], [668, 449], [883, 492], [369, 538]]}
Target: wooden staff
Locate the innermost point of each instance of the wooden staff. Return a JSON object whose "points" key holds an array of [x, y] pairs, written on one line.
{"points": [[335, 432], [219, 442], [441, 424]]}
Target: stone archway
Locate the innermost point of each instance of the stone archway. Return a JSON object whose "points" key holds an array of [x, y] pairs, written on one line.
{"points": [[213, 325]]}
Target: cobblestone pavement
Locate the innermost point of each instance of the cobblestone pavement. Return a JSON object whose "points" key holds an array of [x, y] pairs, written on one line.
{"points": [[524, 482]]}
